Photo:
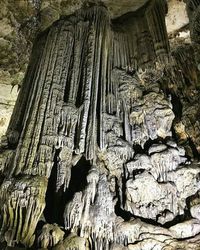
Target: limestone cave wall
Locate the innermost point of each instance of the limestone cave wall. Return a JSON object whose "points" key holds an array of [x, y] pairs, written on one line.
{"points": [[102, 148]]}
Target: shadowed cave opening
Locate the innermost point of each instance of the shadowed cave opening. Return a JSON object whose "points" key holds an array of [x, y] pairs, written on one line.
{"points": [[50, 211], [177, 107], [78, 180], [56, 201]]}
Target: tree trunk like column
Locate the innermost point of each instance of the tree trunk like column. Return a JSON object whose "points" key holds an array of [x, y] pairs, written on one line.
{"points": [[90, 146]]}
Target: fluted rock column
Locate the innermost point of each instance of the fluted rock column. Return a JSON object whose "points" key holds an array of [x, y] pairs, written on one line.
{"points": [[90, 151]]}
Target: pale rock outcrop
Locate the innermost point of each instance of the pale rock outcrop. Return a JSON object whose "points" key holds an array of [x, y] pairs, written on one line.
{"points": [[93, 143]]}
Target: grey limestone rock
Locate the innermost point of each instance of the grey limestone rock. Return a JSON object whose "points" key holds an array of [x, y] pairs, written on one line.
{"points": [[92, 145]]}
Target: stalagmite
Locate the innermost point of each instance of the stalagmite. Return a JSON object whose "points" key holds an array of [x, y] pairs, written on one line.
{"points": [[23, 202], [96, 154], [50, 236]]}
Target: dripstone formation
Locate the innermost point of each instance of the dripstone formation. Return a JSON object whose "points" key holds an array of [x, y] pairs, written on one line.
{"points": [[103, 145]]}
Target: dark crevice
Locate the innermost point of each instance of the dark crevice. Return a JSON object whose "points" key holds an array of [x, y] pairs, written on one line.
{"points": [[69, 77], [118, 208], [78, 180], [137, 172], [149, 221], [98, 107], [195, 152], [2, 177], [151, 142], [186, 215], [176, 106], [52, 208], [191, 199], [125, 177], [56, 201], [178, 219], [138, 149]]}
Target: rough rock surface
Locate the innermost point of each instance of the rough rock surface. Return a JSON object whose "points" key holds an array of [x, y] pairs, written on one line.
{"points": [[21, 21], [177, 17], [103, 145]]}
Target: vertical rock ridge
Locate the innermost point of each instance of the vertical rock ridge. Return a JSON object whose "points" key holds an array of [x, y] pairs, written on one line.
{"points": [[94, 97]]}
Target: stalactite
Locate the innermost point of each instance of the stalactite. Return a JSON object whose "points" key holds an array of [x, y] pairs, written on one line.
{"points": [[23, 202], [156, 21], [184, 58], [145, 45], [93, 91], [50, 236]]}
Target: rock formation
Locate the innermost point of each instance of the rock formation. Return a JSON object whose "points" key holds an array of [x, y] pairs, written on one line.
{"points": [[102, 149]]}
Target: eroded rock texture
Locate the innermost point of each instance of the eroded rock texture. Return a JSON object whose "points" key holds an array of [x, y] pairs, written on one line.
{"points": [[102, 148]]}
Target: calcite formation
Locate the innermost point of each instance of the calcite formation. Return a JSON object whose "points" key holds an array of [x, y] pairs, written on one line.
{"points": [[100, 152], [23, 200]]}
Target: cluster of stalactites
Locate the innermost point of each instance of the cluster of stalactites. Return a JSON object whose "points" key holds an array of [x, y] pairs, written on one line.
{"points": [[192, 5], [69, 89], [64, 82], [73, 76], [23, 201], [184, 59], [56, 112], [141, 39], [193, 11], [155, 16]]}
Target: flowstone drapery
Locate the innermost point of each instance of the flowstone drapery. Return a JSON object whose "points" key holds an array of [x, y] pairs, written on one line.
{"points": [[92, 158]]}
